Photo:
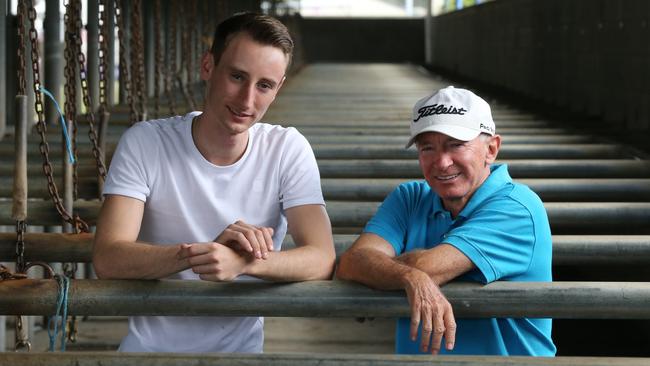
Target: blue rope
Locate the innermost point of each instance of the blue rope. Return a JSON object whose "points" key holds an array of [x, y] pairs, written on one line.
{"points": [[61, 313], [63, 124]]}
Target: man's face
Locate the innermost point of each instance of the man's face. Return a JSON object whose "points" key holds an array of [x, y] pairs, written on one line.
{"points": [[453, 168], [242, 85]]}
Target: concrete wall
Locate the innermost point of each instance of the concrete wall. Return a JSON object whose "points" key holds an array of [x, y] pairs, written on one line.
{"points": [[363, 40], [590, 56]]}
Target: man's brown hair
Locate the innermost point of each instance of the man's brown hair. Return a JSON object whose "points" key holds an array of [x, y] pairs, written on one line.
{"points": [[262, 28]]}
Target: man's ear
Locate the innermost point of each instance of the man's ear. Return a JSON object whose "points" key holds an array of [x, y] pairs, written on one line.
{"points": [[493, 149], [207, 65]]}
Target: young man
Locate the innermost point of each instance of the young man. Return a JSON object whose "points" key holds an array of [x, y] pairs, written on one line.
{"points": [[210, 195], [469, 220]]}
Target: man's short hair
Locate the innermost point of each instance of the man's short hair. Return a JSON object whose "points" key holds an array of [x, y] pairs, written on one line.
{"points": [[262, 28]]}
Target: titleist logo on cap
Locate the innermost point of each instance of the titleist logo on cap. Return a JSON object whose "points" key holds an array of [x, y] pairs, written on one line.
{"points": [[429, 110]]}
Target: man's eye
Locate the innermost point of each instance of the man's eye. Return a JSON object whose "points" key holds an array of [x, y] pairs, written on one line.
{"points": [[236, 76], [265, 86]]}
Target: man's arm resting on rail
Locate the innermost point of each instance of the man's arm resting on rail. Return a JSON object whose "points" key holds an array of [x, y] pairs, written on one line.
{"points": [[371, 261], [312, 259], [117, 255], [442, 263]]}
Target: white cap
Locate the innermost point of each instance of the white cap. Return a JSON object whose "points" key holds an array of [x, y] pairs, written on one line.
{"points": [[456, 112]]}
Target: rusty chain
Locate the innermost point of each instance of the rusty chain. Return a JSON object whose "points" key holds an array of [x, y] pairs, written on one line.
{"points": [[158, 58], [70, 89], [103, 54], [137, 57], [170, 70], [186, 51], [22, 14], [190, 15], [44, 148], [90, 116], [21, 227], [124, 70]]}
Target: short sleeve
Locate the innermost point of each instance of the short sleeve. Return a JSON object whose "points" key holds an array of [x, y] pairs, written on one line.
{"points": [[299, 175], [499, 238], [127, 175], [391, 219]]}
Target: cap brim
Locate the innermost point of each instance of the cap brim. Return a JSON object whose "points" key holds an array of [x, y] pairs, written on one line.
{"points": [[457, 132]]}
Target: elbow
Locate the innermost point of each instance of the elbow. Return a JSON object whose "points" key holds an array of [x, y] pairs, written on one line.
{"points": [[343, 268], [101, 264], [326, 270]]}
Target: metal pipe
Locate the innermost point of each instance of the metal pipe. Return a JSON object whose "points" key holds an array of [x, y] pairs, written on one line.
{"points": [[622, 218], [92, 26], [571, 300], [312, 359], [68, 184], [403, 130], [409, 168], [19, 204], [53, 58], [401, 140], [3, 78], [507, 151], [549, 189], [576, 250], [565, 217], [527, 168], [375, 151]]}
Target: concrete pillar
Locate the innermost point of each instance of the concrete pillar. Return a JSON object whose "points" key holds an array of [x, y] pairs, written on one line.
{"points": [[149, 39], [428, 34], [92, 71]]}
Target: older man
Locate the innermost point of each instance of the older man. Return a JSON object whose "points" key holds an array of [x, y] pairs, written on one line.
{"points": [[469, 221]]}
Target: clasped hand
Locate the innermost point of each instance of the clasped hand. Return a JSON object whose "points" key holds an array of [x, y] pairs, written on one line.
{"points": [[236, 248]]}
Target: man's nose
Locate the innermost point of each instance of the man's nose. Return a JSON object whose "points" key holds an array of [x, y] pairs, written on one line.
{"points": [[247, 95], [442, 161]]}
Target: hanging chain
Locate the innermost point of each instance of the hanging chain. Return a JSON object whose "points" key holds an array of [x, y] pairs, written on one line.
{"points": [[185, 49], [158, 58], [21, 227], [137, 57], [22, 14], [40, 126], [189, 65], [70, 89], [90, 116], [170, 70], [124, 70], [103, 54]]}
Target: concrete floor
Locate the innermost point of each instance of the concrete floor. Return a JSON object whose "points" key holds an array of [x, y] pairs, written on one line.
{"points": [[283, 335]]}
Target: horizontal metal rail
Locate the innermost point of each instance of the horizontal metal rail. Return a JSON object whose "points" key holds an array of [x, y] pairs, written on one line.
{"points": [[623, 218], [371, 189], [377, 151], [603, 250], [571, 300], [312, 359], [409, 168], [549, 189], [524, 168]]}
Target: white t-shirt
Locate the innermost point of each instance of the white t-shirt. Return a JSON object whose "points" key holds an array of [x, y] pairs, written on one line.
{"points": [[188, 199]]}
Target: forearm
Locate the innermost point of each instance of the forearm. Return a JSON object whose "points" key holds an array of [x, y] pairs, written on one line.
{"points": [[373, 268], [133, 260], [299, 264], [442, 263]]}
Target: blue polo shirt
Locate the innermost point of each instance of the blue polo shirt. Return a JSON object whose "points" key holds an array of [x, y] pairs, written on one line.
{"points": [[503, 230]]}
